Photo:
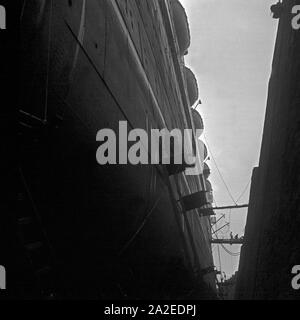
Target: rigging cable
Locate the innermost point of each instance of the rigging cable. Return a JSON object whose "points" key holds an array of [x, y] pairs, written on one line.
{"points": [[140, 228], [23, 9], [234, 254], [244, 191], [48, 62], [221, 176]]}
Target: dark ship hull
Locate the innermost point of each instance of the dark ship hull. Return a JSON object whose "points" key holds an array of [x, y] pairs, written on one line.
{"points": [[113, 231]]}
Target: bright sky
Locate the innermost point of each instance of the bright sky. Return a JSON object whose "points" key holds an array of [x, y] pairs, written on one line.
{"points": [[231, 51]]}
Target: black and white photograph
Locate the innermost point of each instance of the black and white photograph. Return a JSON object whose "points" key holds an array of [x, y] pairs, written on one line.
{"points": [[157, 152]]}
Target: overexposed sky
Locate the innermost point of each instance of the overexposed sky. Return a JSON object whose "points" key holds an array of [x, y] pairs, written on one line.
{"points": [[232, 43]]}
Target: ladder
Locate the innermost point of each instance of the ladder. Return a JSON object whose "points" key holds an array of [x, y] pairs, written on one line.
{"points": [[32, 235], [34, 240]]}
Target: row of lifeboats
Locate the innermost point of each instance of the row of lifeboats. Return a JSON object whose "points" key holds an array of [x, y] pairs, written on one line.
{"points": [[181, 27]]}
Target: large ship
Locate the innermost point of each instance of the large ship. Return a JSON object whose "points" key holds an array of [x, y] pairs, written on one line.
{"points": [[108, 231]]}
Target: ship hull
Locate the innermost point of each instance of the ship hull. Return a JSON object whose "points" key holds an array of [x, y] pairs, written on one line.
{"points": [[114, 230]]}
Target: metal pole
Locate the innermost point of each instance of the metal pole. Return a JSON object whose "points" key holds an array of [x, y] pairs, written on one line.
{"points": [[226, 207], [220, 265], [232, 207], [221, 228], [222, 216]]}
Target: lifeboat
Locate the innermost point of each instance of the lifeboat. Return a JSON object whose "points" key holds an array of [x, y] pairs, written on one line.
{"points": [[202, 150], [206, 171], [208, 186], [209, 191], [192, 86], [205, 152], [181, 26], [198, 122]]}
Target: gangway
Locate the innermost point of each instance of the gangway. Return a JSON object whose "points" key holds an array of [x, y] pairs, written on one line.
{"points": [[228, 241]]}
